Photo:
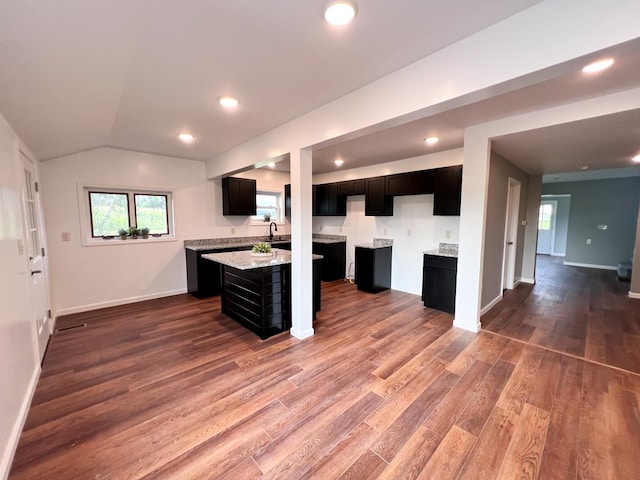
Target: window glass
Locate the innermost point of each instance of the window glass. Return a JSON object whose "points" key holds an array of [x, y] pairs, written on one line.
{"points": [[151, 212], [544, 216], [267, 204], [109, 213]]}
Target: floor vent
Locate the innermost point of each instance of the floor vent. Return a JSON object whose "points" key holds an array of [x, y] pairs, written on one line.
{"points": [[72, 327]]}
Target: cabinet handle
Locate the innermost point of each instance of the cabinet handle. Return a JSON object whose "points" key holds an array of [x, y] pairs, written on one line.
{"points": [[33, 272]]}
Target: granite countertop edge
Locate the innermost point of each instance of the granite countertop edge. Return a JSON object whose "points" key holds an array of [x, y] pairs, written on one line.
{"points": [[441, 253], [243, 260], [235, 242]]}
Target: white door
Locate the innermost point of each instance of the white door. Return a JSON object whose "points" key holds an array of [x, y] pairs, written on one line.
{"points": [[35, 254], [546, 226], [511, 235]]}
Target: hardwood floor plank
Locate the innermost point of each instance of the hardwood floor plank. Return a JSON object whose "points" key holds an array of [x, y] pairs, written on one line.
{"points": [[367, 467], [450, 455]]}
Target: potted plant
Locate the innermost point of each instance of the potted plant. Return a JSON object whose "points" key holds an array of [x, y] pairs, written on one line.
{"points": [[267, 217], [144, 232], [134, 232], [262, 249], [123, 234]]}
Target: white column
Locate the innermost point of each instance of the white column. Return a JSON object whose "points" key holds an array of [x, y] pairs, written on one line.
{"points": [[534, 191], [475, 181], [301, 247]]}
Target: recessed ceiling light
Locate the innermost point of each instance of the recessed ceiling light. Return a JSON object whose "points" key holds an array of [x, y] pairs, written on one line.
{"points": [[271, 164], [598, 66], [636, 158], [186, 137], [340, 12], [338, 162], [584, 167], [228, 102], [431, 140]]}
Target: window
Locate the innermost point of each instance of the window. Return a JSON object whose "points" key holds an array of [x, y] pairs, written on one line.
{"points": [[267, 204], [114, 209], [544, 216]]}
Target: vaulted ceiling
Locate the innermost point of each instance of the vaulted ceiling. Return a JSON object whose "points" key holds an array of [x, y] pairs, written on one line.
{"points": [[79, 74]]}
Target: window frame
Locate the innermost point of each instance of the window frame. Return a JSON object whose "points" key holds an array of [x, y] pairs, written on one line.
{"points": [[86, 218], [166, 211], [89, 192], [259, 220]]}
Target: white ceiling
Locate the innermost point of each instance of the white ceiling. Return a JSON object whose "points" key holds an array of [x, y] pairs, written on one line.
{"points": [[79, 74], [604, 142]]}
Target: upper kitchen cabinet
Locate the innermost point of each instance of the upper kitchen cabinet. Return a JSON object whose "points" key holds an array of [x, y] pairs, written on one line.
{"points": [[328, 203], [238, 196], [411, 183], [447, 190], [287, 200], [376, 201], [351, 187]]}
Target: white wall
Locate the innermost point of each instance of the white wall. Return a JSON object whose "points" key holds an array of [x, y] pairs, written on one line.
{"points": [[413, 227], [19, 367], [89, 277]]}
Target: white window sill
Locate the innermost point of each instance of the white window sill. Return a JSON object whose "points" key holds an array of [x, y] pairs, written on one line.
{"points": [[99, 242]]}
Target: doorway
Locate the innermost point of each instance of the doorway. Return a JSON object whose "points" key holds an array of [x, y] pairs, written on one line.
{"points": [[511, 235], [547, 226], [38, 294]]}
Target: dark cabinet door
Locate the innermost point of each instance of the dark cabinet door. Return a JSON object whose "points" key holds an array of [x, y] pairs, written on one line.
{"points": [[399, 184], [351, 187], [238, 196], [447, 190], [334, 260], [287, 201], [373, 269], [376, 202], [422, 182], [328, 203], [439, 283]]}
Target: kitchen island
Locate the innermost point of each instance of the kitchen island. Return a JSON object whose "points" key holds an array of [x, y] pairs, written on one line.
{"points": [[256, 292]]}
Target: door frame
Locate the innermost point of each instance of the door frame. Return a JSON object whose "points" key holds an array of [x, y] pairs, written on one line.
{"points": [[510, 244], [552, 230], [46, 328]]}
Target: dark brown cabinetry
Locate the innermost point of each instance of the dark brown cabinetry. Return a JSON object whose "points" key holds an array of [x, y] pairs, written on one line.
{"points": [[287, 201], [376, 201], [328, 203], [351, 187], [447, 190], [203, 276], [439, 282], [333, 261], [238, 196], [373, 269], [412, 183]]}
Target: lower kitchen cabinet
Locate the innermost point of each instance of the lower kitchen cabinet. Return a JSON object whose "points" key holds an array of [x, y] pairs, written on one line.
{"points": [[439, 282], [334, 260], [373, 269]]}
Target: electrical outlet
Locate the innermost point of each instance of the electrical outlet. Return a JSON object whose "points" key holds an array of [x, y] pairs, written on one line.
{"points": [[66, 236], [233, 230], [588, 241], [384, 231], [447, 234], [20, 247], [409, 233], [320, 228], [340, 229]]}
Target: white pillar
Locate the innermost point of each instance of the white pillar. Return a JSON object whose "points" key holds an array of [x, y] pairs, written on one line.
{"points": [[475, 181], [301, 245]]}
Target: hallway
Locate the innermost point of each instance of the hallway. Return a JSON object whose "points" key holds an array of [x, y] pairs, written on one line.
{"points": [[582, 312]]}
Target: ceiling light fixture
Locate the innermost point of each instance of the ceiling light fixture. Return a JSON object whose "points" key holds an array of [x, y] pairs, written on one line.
{"points": [[636, 159], [271, 164], [186, 137], [584, 167], [228, 102], [598, 66], [340, 12], [431, 140], [338, 162]]}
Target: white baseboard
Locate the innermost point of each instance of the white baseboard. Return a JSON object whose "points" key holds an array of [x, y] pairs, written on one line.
{"points": [[14, 438], [114, 303], [558, 255], [590, 265], [465, 326], [490, 305], [634, 295], [531, 281]]}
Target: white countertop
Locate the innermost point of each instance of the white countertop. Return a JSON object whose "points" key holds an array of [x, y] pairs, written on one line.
{"points": [[242, 260]]}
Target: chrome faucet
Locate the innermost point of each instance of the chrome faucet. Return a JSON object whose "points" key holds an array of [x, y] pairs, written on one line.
{"points": [[274, 225]]}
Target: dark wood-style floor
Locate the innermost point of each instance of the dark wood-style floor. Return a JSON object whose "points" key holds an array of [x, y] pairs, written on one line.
{"points": [[171, 389], [579, 311]]}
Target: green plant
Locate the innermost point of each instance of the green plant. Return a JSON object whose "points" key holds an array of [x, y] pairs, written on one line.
{"points": [[123, 233], [262, 247], [133, 231], [144, 231]]}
